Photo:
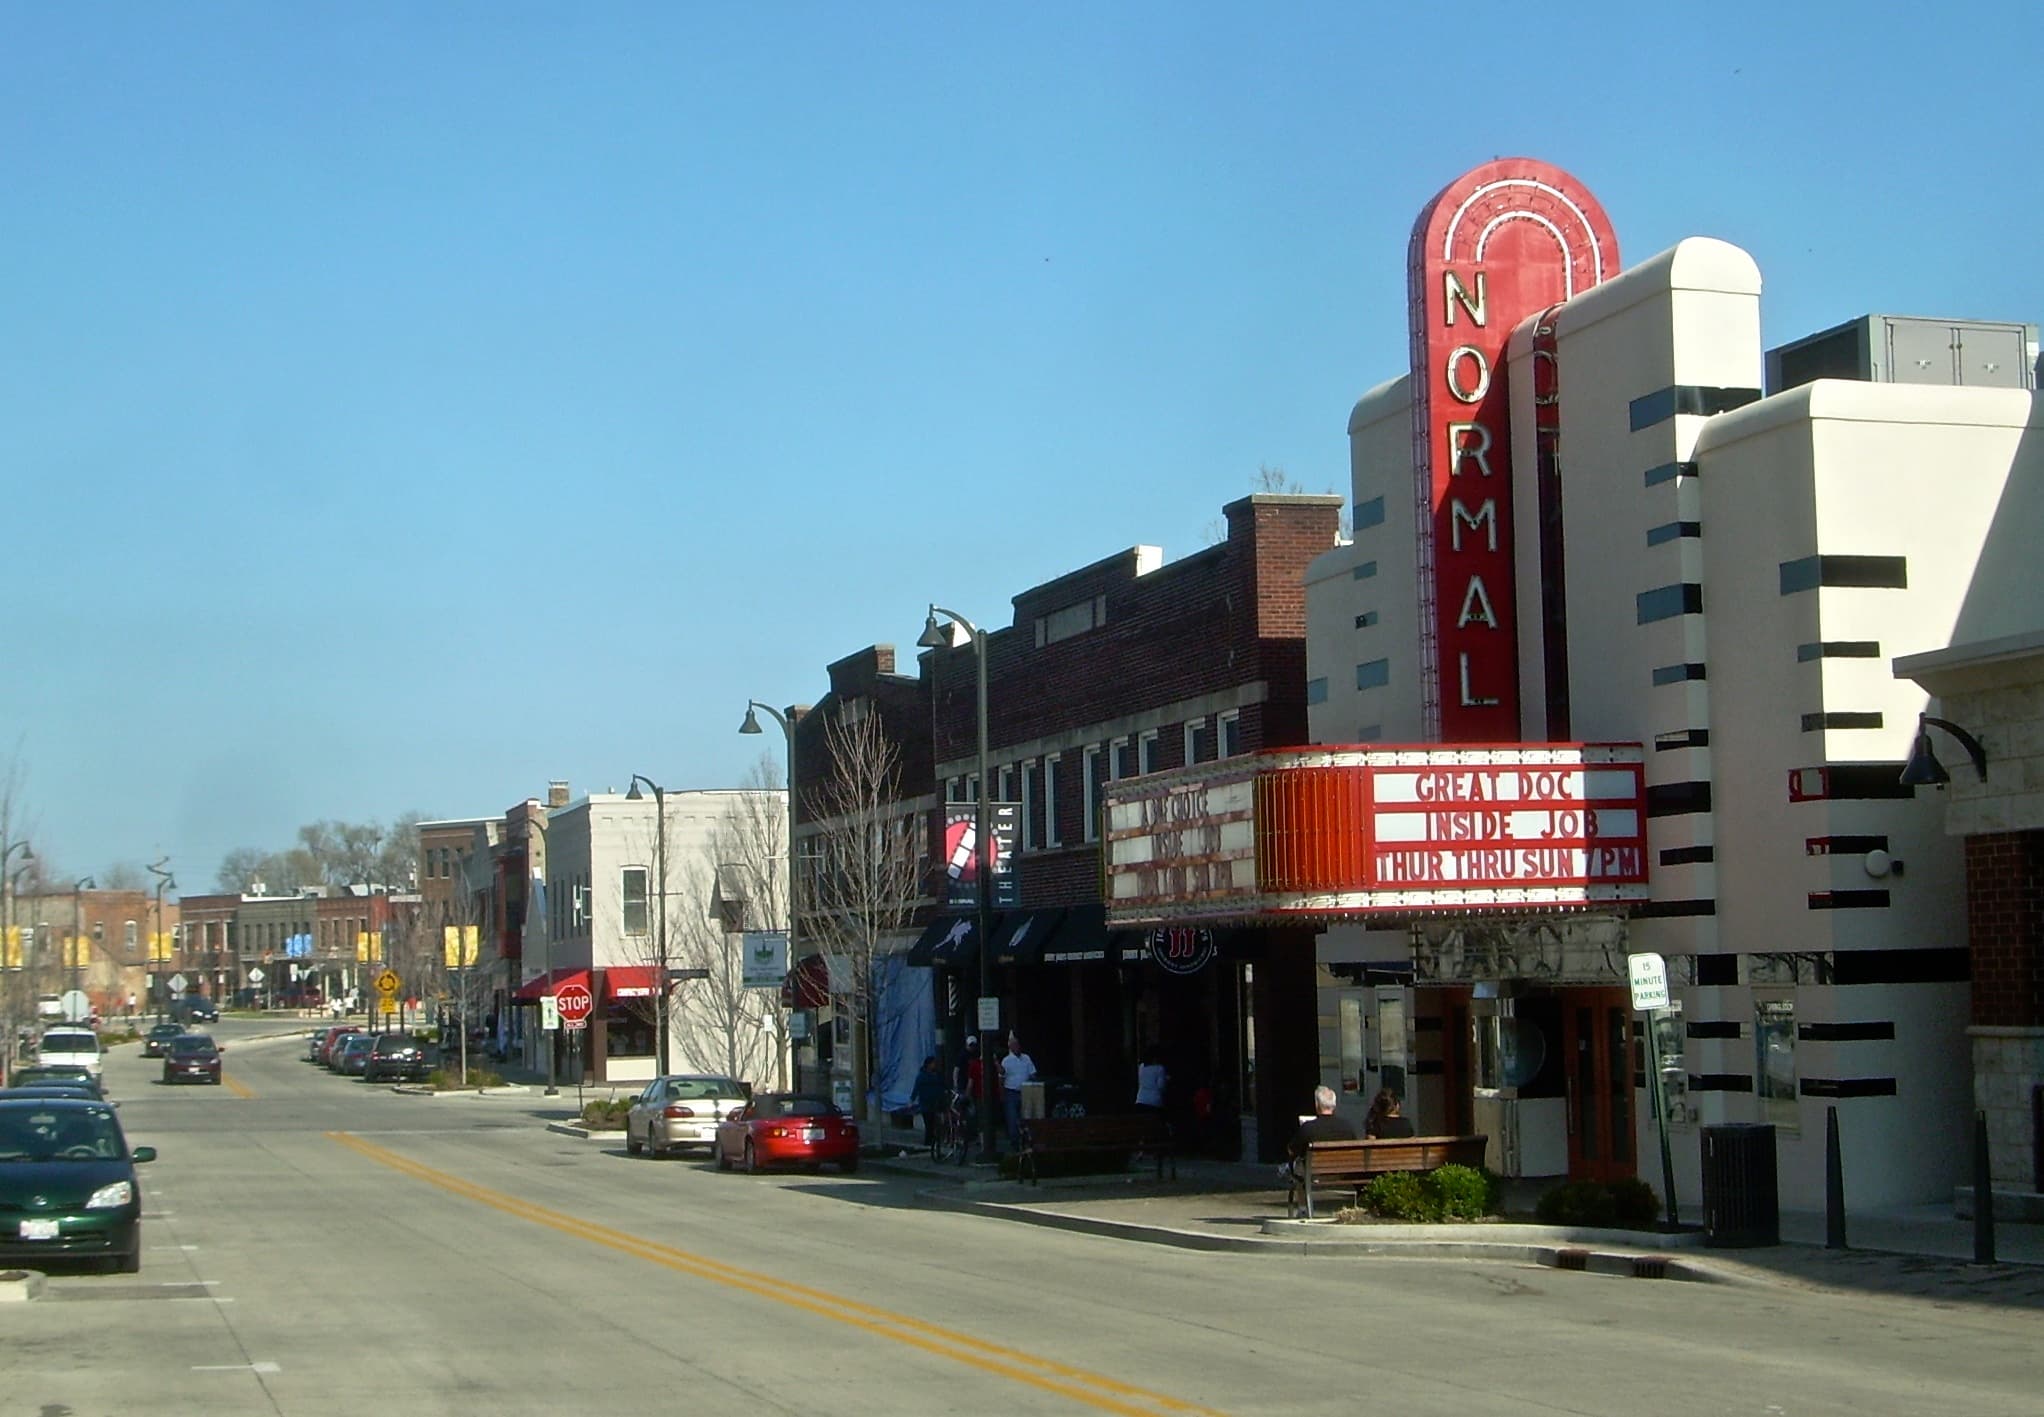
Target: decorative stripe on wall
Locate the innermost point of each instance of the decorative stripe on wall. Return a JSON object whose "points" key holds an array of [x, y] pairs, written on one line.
{"points": [[1699, 399], [1847, 1087], [1845, 1032]]}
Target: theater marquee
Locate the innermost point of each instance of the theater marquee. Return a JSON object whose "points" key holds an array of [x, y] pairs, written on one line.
{"points": [[1327, 833]]}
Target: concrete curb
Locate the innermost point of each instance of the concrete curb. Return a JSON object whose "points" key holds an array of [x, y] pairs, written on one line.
{"points": [[1450, 1242], [20, 1285], [576, 1129], [409, 1089]]}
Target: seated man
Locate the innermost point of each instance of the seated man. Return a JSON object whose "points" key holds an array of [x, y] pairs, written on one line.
{"points": [[1323, 1125]]}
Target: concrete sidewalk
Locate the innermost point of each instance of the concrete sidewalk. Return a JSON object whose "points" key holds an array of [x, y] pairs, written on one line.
{"points": [[1235, 1206]]}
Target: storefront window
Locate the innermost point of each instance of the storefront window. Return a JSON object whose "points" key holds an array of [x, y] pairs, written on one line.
{"points": [[1774, 1061], [628, 1033]]}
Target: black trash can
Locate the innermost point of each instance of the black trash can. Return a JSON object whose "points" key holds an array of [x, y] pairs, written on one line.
{"points": [[1741, 1206]]}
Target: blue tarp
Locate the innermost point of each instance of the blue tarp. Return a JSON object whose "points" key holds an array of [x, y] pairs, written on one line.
{"points": [[907, 1028]]}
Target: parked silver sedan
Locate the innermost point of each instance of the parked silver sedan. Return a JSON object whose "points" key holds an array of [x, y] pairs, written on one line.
{"points": [[681, 1110]]}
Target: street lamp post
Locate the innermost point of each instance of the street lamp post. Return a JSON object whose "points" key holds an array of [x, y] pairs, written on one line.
{"points": [[660, 920], [751, 725], [546, 948], [935, 636], [78, 889], [164, 881]]}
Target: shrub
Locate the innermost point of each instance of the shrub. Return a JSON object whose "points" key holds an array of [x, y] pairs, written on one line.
{"points": [[1401, 1195], [606, 1114], [1629, 1204], [450, 1079], [1465, 1192], [1637, 1206]]}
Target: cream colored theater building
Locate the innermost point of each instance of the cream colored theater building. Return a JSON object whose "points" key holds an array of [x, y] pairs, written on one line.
{"points": [[1733, 592]]}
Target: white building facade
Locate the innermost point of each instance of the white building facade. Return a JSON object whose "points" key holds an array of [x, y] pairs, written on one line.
{"points": [[623, 898], [1726, 579]]}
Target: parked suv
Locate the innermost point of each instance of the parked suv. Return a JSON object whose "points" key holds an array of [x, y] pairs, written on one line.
{"points": [[395, 1055], [74, 1044]]}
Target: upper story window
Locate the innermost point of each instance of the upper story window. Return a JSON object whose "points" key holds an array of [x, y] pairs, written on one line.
{"points": [[1096, 779], [1146, 752], [1032, 806], [1195, 733], [1229, 727], [1051, 835], [1071, 620], [1124, 759]]}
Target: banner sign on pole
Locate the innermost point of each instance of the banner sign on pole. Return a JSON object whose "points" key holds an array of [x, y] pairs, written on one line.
{"points": [[766, 959], [961, 854]]}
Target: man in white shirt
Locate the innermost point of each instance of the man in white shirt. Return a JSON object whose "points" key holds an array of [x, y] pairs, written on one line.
{"points": [[1017, 1068]]}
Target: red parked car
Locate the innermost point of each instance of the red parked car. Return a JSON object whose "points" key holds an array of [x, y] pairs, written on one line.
{"points": [[787, 1129]]}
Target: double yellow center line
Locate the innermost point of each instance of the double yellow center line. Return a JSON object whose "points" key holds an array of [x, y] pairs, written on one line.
{"points": [[1092, 1389]]}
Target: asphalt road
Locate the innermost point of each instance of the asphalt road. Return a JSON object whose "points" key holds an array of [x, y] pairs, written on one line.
{"points": [[314, 1245]]}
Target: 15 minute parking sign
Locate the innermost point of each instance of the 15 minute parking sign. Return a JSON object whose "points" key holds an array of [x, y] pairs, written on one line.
{"points": [[1649, 981]]}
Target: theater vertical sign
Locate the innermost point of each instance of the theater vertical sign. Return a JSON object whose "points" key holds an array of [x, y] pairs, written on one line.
{"points": [[1503, 242]]}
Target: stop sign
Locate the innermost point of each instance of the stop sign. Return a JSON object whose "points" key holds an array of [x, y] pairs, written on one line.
{"points": [[574, 1003]]}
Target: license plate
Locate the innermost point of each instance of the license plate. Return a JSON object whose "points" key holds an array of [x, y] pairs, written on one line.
{"points": [[38, 1229], [813, 1134]]}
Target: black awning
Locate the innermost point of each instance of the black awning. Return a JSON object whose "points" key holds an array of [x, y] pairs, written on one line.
{"points": [[949, 940], [1083, 939], [1022, 935]]}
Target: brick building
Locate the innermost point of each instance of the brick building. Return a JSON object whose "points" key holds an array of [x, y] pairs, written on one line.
{"points": [[1122, 668]]}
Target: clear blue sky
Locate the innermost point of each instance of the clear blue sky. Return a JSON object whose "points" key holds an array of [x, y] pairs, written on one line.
{"points": [[404, 404]]}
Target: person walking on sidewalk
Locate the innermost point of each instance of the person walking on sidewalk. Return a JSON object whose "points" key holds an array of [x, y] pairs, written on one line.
{"points": [[1017, 1068], [1150, 1081], [927, 1097]]}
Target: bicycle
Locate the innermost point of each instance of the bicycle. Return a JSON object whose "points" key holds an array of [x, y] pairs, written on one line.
{"points": [[954, 1129]]}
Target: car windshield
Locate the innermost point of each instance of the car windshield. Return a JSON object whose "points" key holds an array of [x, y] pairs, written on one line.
{"points": [[58, 1134], [702, 1089], [69, 1072], [70, 1043], [192, 1043]]}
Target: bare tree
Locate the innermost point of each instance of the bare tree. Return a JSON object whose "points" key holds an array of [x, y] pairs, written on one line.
{"points": [[328, 853], [738, 884], [720, 882], [860, 895], [17, 963]]}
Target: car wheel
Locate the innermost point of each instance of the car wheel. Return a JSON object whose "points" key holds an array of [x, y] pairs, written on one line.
{"points": [[131, 1262], [751, 1158], [631, 1142], [849, 1165]]}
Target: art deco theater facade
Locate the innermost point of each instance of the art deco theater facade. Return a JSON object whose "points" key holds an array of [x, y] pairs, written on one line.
{"points": [[1608, 668]]}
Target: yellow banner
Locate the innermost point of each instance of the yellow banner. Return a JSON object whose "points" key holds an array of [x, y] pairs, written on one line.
{"points": [[459, 943], [160, 946], [368, 947], [10, 948]]}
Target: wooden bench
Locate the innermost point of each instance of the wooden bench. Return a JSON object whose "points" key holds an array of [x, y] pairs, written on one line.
{"points": [[1072, 1136], [1351, 1163]]}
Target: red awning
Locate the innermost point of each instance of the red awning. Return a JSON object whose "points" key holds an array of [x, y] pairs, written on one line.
{"points": [[634, 981], [807, 985], [550, 983]]}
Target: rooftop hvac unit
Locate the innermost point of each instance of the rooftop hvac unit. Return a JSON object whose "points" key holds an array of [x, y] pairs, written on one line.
{"points": [[1902, 349]]}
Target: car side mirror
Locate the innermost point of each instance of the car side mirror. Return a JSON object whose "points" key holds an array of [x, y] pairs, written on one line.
{"points": [[144, 1153], [737, 1114]]}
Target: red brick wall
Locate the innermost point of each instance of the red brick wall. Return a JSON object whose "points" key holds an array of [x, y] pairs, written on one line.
{"points": [[2005, 926]]}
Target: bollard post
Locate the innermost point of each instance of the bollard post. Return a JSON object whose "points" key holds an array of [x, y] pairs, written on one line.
{"points": [[1834, 1184], [1983, 1194]]}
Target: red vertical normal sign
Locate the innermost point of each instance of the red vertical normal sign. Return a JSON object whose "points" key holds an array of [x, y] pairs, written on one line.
{"points": [[1500, 243]]}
